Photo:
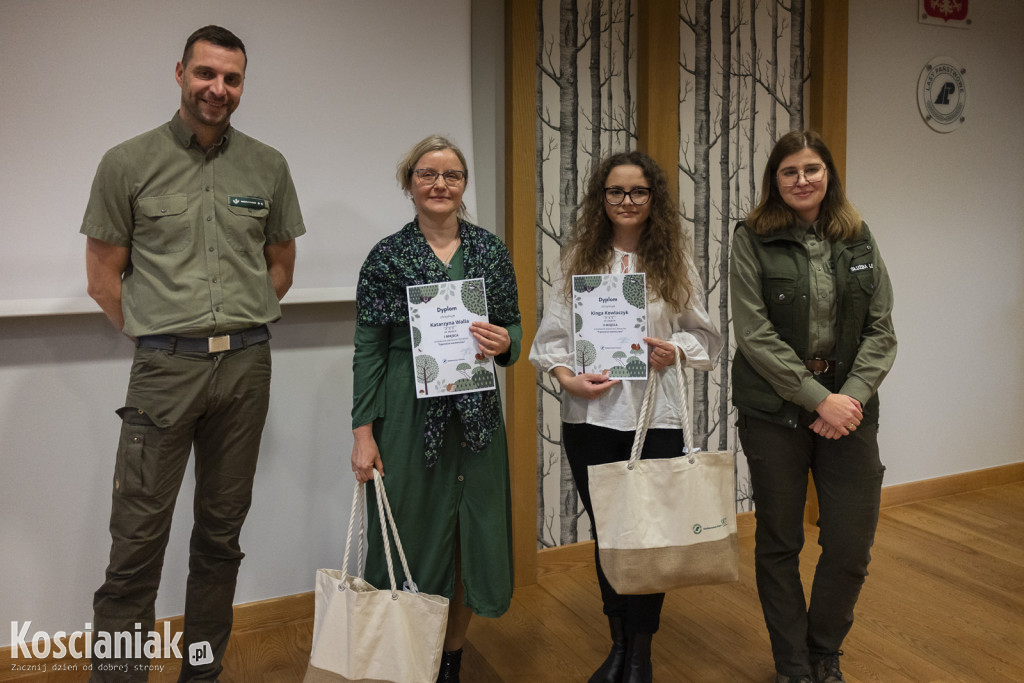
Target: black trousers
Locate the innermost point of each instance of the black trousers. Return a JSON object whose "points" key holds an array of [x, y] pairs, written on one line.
{"points": [[591, 445], [848, 480]]}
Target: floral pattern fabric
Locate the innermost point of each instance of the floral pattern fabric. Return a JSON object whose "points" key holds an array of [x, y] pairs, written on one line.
{"points": [[405, 258]]}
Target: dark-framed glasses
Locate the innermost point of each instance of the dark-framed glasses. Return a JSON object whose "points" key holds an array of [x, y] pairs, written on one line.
{"points": [[788, 177], [428, 176], [638, 195]]}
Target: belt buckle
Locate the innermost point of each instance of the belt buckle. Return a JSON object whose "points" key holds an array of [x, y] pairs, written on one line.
{"points": [[825, 370], [218, 344]]}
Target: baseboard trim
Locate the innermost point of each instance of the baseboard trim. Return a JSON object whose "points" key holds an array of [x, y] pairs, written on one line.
{"points": [[298, 608], [918, 491]]}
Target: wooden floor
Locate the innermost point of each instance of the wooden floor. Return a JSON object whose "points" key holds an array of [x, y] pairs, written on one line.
{"points": [[944, 602]]}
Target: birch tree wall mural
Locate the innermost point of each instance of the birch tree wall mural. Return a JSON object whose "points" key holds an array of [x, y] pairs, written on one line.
{"points": [[742, 82]]}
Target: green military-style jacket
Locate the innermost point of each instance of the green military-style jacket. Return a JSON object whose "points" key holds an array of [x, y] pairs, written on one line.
{"points": [[770, 285]]}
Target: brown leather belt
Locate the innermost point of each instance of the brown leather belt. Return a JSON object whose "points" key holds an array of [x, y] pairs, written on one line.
{"points": [[820, 366]]}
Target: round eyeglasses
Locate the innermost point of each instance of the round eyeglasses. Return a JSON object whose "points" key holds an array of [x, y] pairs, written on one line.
{"points": [[788, 177], [638, 195], [428, 176]]}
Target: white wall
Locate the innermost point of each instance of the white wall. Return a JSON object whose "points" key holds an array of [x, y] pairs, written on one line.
{"points": [[340, 88], [948, 212], [62, 376], [488, 40]]}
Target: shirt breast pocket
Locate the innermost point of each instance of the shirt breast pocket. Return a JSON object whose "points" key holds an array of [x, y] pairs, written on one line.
{"points": [[162, 225], [245, 228], [861, 280], [780, 297]]}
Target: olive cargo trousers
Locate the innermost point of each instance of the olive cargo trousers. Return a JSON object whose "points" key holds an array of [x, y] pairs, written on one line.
{"points": [[217, 404]]}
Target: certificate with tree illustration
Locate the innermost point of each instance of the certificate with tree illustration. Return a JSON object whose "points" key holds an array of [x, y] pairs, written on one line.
{"points": [[610, 323], [445, 357]]}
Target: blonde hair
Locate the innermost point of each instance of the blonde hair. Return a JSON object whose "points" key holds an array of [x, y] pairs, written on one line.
{"points": [[838, 220], [431, 143]]}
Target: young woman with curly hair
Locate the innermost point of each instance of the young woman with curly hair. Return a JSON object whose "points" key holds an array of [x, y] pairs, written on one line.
{"points": [[628, 223], [660, 247]]}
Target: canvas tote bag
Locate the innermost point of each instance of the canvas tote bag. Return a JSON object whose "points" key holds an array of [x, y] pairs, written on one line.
{"points": [[361, 633], [666, 523]]}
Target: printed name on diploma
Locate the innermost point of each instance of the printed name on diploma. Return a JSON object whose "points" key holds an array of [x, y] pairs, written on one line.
{"points": [[610, 314], [445, 355]]}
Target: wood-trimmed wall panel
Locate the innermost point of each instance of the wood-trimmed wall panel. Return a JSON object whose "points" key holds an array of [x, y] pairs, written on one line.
{"points": [[658, 135], [520, 237], [829, 48], [657, 115]]}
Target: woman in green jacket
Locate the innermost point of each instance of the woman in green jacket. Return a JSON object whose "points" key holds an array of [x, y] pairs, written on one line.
{"points": [[812, 305], [444, 457]]}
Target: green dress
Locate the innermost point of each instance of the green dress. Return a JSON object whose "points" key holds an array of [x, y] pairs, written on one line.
{"points": [[463, 491]]}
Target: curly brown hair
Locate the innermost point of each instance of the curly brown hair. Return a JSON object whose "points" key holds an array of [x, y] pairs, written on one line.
{"points": [[662, 250]]}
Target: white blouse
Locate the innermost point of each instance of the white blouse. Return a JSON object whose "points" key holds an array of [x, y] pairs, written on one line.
{"points": [[691, 330]]}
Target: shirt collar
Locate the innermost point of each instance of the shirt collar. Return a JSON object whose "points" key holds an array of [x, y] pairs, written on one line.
{"points": [[184, 135], [800, 228], [623, 261]]}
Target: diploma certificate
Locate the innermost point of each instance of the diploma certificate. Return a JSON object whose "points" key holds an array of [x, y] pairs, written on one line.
{"points": [[610, 323], [445, 357]]}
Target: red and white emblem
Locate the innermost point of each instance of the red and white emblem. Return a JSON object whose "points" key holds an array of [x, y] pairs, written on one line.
{"points": [[945, 12]]}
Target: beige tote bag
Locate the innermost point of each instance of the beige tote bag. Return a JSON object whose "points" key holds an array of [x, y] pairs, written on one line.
{"points": [[361, 633], [666, 523]]}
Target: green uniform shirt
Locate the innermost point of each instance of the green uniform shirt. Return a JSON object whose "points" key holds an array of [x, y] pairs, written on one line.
{"points": [[197, 223], [758, 338], [821, 340]]}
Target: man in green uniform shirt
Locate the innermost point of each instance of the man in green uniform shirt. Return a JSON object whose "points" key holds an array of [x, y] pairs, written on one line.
{"points": [[191, 244]]}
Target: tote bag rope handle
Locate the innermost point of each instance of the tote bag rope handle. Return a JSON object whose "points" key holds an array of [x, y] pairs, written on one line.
{"points": [[358, 500], [643, 419], [384, 512], [382, 501]]}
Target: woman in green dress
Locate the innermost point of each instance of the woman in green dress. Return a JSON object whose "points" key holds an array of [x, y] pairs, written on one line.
{"points": [[444, 459]]}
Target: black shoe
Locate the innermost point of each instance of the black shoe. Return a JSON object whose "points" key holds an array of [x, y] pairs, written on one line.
{"points": [[779, 678], [451, 662], [638, 659], [611, 670], [826, 670]]}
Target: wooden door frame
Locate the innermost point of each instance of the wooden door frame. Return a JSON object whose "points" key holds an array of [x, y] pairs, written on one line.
{"points": [[520, 237], [658, 133]]}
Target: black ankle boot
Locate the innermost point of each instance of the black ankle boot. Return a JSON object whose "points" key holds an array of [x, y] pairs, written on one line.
{"points": [[638, 659], [611, 670], [451, 662]]}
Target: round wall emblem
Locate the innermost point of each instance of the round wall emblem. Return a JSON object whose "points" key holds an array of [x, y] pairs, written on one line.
{"points": [[942, 94]]}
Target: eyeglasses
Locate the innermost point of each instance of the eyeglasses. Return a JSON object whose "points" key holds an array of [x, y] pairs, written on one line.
{"points": [[789, 177], [428, 176], [616, 195]]}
